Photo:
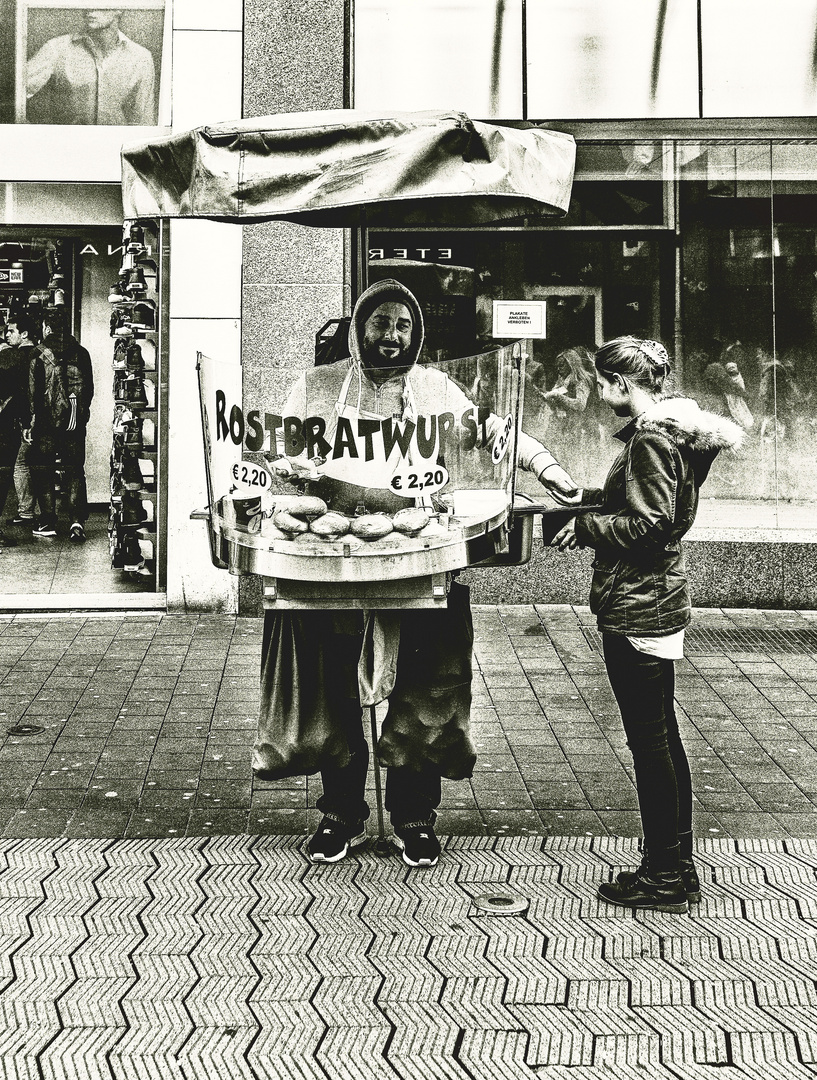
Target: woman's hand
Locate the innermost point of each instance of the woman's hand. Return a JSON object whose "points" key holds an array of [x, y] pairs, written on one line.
{"points": [[565, 539]]}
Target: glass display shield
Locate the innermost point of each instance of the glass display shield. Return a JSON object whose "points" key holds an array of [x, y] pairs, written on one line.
{"points": [[358, 481]]}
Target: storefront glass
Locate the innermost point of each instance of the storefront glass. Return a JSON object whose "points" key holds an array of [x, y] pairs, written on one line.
{"points": [[88, 294], [708, 246]]}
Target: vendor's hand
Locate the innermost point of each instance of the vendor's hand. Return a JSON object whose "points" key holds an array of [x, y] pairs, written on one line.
{"points": [[561, 485], [565, 539]]}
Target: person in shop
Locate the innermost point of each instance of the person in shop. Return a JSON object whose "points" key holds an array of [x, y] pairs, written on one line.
{"points": [[61, 388], [14, 365], [96, 77], [21, 335], [316, 674], [640, 596]]}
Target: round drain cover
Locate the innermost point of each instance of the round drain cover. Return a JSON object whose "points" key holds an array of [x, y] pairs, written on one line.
{"points": [[501, 903], [25, 729]]}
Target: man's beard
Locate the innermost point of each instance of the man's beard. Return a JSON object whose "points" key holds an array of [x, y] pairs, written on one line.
{"points": [[373, 358]]}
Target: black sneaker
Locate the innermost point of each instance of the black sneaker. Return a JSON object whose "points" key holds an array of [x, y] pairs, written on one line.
{"points": [[136, 284], [22, 519], [130, 553], [419, 843], [7, 541], [133, 238], [132, 513], [134, 360], [333, 840], [143, 315], [45, 528], [117, 294], [77, 534]]}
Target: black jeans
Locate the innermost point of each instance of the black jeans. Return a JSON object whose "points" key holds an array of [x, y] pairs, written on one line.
{"points": [[9, 447], [411, 795], [644, 687], [70, 446]]}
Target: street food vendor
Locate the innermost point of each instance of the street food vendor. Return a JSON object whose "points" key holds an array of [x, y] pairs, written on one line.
{"points": [[319, 669]]}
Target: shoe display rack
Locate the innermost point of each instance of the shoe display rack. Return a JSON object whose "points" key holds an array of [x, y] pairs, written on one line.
{"points": [[132, 525]]}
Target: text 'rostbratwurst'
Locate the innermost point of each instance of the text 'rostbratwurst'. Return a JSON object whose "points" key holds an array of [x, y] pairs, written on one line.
{"points": [[367, 439]]}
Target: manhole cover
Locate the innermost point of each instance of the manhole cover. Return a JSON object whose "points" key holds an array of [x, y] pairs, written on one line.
{"points": [[25, 729], [501, 903]]}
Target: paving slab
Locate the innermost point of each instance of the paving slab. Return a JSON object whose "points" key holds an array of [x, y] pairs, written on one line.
{"points": [[133, 950], [569, 987]]}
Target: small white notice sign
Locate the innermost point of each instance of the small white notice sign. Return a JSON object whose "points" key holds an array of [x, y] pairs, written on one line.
{"points": [[519, 319]]}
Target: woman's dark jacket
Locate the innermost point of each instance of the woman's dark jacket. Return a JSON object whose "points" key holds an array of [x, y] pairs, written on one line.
{"points": [[649, 502]]}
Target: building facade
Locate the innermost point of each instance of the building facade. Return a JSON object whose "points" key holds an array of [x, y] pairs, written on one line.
{"points": [[693, 220]]}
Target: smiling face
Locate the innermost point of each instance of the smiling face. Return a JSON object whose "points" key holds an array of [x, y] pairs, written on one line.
{"points": [[387, 336]]}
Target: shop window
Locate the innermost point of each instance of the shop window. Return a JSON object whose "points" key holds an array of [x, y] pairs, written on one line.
{"points": [[726, 277], [54, 204], [758, 58], [77, 288], [81, 63]]}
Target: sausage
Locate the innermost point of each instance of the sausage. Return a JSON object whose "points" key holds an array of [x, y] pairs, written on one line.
{"points": [[300, 506]]}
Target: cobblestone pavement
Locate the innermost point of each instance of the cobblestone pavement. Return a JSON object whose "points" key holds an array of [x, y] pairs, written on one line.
{"points": [[159, 918]]}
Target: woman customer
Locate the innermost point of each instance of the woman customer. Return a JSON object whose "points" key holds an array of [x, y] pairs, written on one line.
{"points": [[640, 597]]}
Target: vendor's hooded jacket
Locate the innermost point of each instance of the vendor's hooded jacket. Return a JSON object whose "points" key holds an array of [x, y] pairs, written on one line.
{"points": [[648, 503], [317, 391], [311, 659]]}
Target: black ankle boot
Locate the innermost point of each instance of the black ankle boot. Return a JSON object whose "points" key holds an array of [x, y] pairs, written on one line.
{"points": [[689, 875], [655, 886]]}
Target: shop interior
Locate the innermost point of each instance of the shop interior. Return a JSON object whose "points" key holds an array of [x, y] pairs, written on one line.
{"points": [[709, 248], [106, 285]]}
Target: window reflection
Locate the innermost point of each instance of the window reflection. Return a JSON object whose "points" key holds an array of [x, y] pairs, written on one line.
{"points": [[727, 279]]}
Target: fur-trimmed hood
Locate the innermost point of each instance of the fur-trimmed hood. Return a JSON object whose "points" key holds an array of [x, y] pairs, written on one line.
{"points": [[689, 425]]}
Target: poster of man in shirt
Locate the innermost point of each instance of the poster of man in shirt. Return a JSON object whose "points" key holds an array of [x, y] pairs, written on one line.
{"points": [[84, 63]]}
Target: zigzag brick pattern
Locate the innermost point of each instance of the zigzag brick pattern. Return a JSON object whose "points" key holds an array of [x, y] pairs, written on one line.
{"points": [[233, 957]]}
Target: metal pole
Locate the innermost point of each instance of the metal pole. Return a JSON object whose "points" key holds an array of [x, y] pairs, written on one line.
{"points": [[382, 845]]}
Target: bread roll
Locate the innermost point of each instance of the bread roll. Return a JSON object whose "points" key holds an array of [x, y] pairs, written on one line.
{"points": [[411, 520], [288, 523], [372, 526], [330, 525]]}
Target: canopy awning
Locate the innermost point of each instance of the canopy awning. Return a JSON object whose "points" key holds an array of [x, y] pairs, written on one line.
{"points": [[343, 169]]}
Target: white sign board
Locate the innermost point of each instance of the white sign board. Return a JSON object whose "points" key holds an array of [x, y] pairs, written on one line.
{"points": [[519, 319]]}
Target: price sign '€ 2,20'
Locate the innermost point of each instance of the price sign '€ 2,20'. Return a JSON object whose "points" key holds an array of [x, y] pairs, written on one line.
{"points": [[251, 476], [412, 481], [502, 441]]}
